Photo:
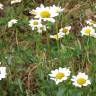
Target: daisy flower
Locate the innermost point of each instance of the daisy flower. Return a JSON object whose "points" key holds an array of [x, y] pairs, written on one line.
{"points": [[80, 80], [1, 6], [35, 23], [91, 22], [88, 30], [65, 30], [11, 22], [2, 72], [45, 13], [59, 75], [57, 9], [57, 36], [15, 1], [42, 28], [62, 32]]}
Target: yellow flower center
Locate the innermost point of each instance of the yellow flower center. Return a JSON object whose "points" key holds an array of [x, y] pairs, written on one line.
{"points": [[45, 14], [59, 75], [65, 30], [55, 36], [88, 31], [81, 81], [35, 23]]}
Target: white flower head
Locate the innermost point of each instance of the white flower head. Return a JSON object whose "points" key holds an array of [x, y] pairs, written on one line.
{"points": [[41, 29], [88, 30], [57, 36], [59, 75], [91, 22], [15, 1], [11, 22], [2, 72], [34, 23], [65, 30], [80, 80], [45, 13], [1, 6], [57, 9]]}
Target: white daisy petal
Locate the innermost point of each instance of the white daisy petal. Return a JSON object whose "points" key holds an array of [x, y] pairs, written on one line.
{"points": [[12, 22], [2, 72], [15, 1], [57, 9], [1, 6]]}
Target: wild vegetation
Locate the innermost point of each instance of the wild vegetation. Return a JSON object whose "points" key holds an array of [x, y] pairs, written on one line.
{"points": [[41, 59]]}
